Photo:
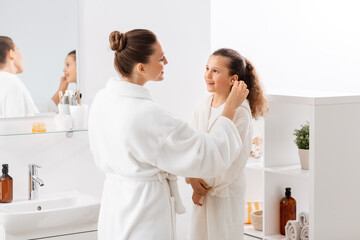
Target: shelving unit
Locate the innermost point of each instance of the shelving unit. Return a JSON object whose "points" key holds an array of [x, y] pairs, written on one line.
{"points": [[333, 176]]}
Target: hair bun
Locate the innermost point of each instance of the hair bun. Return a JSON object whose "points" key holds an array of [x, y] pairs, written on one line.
{"points": [[117, 41]]}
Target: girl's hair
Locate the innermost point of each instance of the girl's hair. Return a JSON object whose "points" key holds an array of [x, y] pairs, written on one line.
{"points": [[6, 44], [132, 47], [242, 67], [72, 53]]}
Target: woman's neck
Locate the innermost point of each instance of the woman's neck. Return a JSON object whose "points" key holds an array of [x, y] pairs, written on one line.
{"points": [[134, 79], [10, 68], [219, 99]]}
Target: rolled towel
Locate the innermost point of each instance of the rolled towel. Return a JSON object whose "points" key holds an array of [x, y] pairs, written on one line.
{"points": [[304, 233], [303, 219], [292, 230]]}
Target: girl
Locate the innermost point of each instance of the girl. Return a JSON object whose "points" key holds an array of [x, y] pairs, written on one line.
{"points": [[218, 212], [139, 146], [69, 77], [15, 99]]}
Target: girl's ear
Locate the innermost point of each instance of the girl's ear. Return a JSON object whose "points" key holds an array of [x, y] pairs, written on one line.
{"points": [[233, 79], [140, 68]]}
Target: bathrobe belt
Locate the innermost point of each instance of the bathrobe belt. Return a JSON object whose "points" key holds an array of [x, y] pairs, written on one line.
{"points": [[161, 177], [221, 193]]}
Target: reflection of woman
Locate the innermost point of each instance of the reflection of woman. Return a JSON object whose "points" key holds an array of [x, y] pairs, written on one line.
{"points": [[139, 145], [69, 77], [15, 99]]}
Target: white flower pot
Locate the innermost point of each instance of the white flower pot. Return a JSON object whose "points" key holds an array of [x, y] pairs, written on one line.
{"points": [[304, 158]]}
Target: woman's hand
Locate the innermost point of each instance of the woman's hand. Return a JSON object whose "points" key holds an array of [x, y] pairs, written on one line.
{"points": [[199, 186], [196, 197], [238, 94]]}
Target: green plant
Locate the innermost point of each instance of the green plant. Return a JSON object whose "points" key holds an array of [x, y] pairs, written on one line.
{"points": [[302, 136]]}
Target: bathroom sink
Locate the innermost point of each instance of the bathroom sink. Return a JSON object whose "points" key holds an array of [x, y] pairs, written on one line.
{"points": [[51, 211]]}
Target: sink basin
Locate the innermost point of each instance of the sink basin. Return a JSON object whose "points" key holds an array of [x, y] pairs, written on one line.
{"points": [[51, 211]]}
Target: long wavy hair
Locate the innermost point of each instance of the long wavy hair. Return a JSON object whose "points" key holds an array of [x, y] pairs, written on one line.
{"points": [[239, 65]]}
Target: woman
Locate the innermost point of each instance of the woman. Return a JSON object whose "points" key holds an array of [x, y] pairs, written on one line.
{"points": [[15, 99], [218, 212], [139, 146]]}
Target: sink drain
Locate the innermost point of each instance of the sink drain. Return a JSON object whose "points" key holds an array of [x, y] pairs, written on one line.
{"points": [[39, 208]]}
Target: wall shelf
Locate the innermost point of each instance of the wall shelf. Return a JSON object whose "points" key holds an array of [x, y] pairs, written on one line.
{"points": [[276, 237], [249, 230], [43, 133], [291, 170], [334, 132]]}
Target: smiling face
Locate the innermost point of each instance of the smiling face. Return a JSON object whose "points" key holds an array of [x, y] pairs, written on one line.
{"points": [[70, 69], [217, 76], [154, 69]]}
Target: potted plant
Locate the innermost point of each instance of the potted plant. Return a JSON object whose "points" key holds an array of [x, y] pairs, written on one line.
{"points": [[302, 142]]}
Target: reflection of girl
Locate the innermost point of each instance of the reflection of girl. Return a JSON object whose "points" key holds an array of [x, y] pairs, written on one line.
{"points": [[69, 77], [15, 99], [139, 145], [218, 212]]}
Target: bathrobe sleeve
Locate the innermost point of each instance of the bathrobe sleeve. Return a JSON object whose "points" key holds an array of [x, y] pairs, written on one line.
{"points": [[243, 124], [190, 153], [14, 103]]}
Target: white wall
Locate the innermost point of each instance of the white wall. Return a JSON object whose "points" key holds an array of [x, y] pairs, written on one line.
{"points": [[293, 44], [183, 28], [45, 31], [62, 159]]}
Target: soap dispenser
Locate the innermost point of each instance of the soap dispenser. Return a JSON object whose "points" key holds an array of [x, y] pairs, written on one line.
{"points": [[6, 185], [287, 210]]}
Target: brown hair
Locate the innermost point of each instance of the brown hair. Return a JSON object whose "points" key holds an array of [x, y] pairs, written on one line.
{"points": [[6, 44], [72, 53], [242, 67], [132, 47]]}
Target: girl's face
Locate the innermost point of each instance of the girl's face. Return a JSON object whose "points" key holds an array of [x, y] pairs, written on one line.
{"points": [[18, 59], [154, 69], [217, 76], [70, 69]]}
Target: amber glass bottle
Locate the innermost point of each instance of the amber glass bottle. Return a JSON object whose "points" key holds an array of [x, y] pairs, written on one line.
{"points": [[6, 185], [287, 210]]}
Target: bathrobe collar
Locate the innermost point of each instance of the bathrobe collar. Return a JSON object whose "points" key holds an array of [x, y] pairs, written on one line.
{"points": [[122, 88], [209, 123]]}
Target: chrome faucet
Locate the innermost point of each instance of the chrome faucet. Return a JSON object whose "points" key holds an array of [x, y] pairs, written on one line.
{"points": [[34, 181]]}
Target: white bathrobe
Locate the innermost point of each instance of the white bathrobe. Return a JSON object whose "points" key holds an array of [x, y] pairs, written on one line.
{"points": [[222, 213], [139, 146], [15, 99]]}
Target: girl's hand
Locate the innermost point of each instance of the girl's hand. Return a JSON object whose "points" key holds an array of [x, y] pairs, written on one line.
{"points": [[199, 186], [63, 84], [196, 197]]}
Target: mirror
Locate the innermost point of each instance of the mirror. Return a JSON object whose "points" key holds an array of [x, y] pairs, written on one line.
{"points": [[45, 33]]}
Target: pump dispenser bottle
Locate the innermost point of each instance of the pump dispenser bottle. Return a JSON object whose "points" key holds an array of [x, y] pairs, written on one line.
{"points": [[287, 210], [6, 185]]}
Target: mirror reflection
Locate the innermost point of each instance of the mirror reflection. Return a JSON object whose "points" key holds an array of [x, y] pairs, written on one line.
{"points": [[37, 56]]}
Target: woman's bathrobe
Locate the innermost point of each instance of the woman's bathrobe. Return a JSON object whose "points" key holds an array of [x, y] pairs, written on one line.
{"points": [[15, 99], [140, 148], [222, 213]]}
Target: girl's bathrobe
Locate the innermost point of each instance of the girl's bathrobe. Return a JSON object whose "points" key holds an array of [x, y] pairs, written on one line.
{"points": [[140, 148], [222, 213], [15, 99]]}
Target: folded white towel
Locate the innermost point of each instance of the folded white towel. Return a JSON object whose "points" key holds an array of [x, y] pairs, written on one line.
{"points": [[304, 233], [292, 230], [303, 219]]}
